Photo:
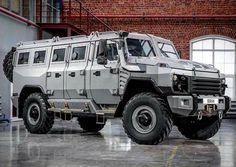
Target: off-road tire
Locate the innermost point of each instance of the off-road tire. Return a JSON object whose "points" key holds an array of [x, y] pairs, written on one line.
{"points": [[46, 119], [88, 123], [163, 125], [198, 129], [7, 64]]}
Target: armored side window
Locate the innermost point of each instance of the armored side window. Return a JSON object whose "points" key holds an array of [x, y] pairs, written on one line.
{"points": [[58, 55], [78, 53], [39, 56], [112, 52], [23, 58]]}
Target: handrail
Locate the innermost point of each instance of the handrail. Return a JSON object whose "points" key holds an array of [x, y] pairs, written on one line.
{"points": [[84, 19]]}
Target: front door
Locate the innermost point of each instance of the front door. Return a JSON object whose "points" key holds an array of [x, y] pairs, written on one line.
{"points": [[75, 72], [55, 74], [105, 78]]}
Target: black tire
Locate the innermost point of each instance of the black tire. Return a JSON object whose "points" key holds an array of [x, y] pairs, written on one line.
{"points": [[160, 123], [37, 118], [88, 123], [198, 129], [7, 64]]}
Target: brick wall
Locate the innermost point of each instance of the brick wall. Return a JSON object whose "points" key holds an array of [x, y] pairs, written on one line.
{"points": [[179, 30]]}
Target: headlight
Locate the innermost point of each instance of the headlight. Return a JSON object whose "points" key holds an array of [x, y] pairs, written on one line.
{"points": [[180, 83]]}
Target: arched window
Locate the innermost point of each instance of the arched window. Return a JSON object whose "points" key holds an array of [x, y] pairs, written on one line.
{"points": [[220, 52]]}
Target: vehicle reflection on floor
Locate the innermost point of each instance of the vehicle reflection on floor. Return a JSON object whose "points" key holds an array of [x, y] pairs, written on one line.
{"points": [[68, 145]]}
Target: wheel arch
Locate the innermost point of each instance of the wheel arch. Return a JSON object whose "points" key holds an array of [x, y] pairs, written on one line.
{"points": [[25, 92], [135, 86]]}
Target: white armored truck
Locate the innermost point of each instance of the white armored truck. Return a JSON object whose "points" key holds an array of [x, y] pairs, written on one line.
{"points": [[139, 77]]}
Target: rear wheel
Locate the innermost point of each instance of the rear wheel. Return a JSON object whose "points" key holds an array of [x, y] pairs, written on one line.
{"points": [[37, 118], [198, 129], [147, 119], [88, 123]]}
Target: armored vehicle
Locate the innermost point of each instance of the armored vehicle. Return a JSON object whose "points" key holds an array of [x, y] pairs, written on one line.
{"points": [[139, 77]]}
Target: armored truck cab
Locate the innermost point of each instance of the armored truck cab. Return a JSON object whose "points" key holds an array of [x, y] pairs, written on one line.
{"points": [[139, 77]]}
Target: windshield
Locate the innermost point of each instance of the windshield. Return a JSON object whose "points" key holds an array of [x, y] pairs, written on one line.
{"points": [[167, 50], [140, 47]]}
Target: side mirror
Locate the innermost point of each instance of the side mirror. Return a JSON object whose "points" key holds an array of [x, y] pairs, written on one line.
{"points": [[179, 53], [102, 52]]}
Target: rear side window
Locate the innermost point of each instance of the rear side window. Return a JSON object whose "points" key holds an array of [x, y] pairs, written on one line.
{"points": [[58, 55], [23, 58], [39, 56], [78, 53]]}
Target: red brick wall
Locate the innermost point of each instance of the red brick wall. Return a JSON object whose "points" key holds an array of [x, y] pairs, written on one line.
{"points": [[180, 31]]}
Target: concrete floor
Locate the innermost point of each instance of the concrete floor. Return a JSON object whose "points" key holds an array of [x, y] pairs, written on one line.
{"points": [[68, 145]]}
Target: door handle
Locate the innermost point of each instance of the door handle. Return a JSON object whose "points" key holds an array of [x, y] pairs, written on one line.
{"points": [[57, 75], [72, 74], [97, 73]]}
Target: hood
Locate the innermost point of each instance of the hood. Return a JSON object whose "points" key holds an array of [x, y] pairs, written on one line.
{"points": [[175, 63]]}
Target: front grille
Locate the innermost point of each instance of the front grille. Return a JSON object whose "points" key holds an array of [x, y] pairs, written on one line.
{"points": [[205, 86]]}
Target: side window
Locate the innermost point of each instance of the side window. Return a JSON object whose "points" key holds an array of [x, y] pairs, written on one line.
{"points": [[112, 52], [39, 56], [23, 58], [58, 55], [78, 53]]}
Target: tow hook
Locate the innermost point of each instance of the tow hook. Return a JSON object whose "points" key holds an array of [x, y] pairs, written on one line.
{"points": [[220, 114], [199, 116]]}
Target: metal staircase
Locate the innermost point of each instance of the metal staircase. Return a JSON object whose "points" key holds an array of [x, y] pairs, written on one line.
{"points": [[71, 18]]}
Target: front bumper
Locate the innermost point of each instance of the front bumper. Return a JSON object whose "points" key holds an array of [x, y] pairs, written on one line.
{"points": [[191, 105]]}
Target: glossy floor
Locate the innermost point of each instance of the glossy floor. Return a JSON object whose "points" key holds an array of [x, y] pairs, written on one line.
{"points": [[68, 145]]}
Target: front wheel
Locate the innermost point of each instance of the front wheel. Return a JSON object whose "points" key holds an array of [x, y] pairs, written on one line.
{"points": [[147, 119], [37, 118], [198, 129]]}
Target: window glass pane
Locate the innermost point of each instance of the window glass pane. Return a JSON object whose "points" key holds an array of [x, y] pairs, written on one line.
{"points": [[139, 47], [229, 82], [219, 44], [197, 56], [167, 50], [230, 57], [207, 57], [220, 67], [4, 3], [112, 52], [39, 56], [229, 68], [197, 45], [23, 58], [15, 6], [78, 53], [229, 92], [219, 57], [229, 45], [207, 44], [58, 55]]}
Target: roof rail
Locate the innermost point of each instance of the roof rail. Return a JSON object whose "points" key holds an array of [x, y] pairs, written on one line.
{"points": [[54, 39]]}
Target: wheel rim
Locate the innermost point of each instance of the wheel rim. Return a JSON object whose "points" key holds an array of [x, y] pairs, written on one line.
{"points": [[144, 119], [34, 113]]}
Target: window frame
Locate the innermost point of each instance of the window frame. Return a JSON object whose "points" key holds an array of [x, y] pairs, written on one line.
{"points": [[150, 42], [18, 56], [86, 45], [45, 58], [58, 48], [109, 41], [213, 50]]}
